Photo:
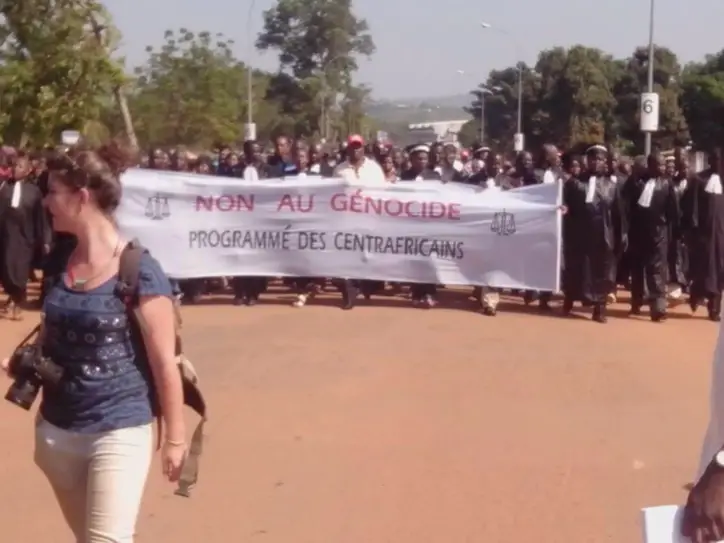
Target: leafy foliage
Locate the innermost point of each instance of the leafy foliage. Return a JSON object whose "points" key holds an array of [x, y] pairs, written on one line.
{"points": [[583, 95], [703, 100], [57, 72], [54, 71], [318, 43], [192, 91]]}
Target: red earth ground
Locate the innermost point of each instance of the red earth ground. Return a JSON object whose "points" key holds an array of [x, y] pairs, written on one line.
{"points": [[389, 424]]}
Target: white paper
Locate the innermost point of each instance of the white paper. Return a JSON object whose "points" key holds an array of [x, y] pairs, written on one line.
{"points": [[591, 192], [251, 174], [662, 524]]}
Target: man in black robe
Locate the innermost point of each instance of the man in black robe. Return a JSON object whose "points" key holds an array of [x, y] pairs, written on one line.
{"points": [[612, 166], [422, 293], [595, 233], [638, 170], [24, 232], [703, 221], [248, 289], [653, 212], [678, 251]]}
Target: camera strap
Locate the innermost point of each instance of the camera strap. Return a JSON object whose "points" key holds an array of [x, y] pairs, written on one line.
{"points": [[33, 333], [127, 290]]}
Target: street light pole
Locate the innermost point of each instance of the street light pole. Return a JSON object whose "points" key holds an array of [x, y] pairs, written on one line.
{"points": [[250, 132], [650, 86], [520, 98], [483, 92], [519, 144]]}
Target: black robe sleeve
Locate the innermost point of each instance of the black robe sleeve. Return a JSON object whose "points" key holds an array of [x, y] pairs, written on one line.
{"points": [[689, 206]]}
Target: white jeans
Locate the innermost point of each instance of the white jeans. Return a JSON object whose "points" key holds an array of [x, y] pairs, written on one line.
{"points": [[98, 479]]}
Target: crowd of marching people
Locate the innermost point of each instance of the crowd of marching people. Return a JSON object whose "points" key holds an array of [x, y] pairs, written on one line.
{"points": [[647, 224]]}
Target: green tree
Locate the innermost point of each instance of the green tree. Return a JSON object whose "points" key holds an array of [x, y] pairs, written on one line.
{"points": [[54, 71], [702, 101], [318, 42], [576, 98], [501, 105], [632, 80], [192, 91], [582, 95]]}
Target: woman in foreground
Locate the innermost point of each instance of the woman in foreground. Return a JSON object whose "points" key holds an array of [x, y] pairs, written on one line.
{"points": [[94, 435]]}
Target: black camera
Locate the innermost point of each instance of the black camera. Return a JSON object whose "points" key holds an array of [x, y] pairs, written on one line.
{"points": [[31, 370]]}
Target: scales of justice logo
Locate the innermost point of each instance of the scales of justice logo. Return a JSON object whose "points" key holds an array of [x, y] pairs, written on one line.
{"points": [[157, 207], [503, 223]]}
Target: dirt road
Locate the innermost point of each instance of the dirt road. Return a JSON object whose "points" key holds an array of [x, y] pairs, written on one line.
{"points": [[388, 424]]}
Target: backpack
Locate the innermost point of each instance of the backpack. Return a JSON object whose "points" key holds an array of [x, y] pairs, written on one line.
{"points": [[127, 290]]}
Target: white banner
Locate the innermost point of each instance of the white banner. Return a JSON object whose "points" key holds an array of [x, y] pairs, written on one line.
{"points": [[421, 231]]}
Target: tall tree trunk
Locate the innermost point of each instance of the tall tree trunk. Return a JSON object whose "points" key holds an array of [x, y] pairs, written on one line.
{"points": [[118, 91], [126, 114]]}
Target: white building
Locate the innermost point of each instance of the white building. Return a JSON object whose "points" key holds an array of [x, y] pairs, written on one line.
{"points": [[442, 131]]}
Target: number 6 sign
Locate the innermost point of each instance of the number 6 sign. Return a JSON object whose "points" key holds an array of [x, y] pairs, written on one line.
{"points": [[649, 112]]}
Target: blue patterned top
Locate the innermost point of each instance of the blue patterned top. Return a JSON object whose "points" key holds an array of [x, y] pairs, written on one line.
{"points": [[107, 384]]}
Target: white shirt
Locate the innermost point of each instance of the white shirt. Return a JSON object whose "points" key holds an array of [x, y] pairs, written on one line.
{"points": [[368, 173], [251, 173], [447, 173]]}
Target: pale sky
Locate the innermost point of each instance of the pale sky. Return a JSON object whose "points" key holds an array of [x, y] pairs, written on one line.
{"points": [[421, 45]]}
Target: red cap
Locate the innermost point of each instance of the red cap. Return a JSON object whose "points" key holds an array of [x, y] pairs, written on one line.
{"points": [[355, 139]]}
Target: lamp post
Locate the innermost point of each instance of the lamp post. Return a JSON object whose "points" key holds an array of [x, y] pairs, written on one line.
{"points": [[483, 90], [649, 113], [518, 142], [250, 128]]}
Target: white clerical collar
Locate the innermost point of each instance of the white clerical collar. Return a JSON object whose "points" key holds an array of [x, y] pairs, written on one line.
{"points": [[647, 194], [591, 190], [17, 193], [713, 184]]}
